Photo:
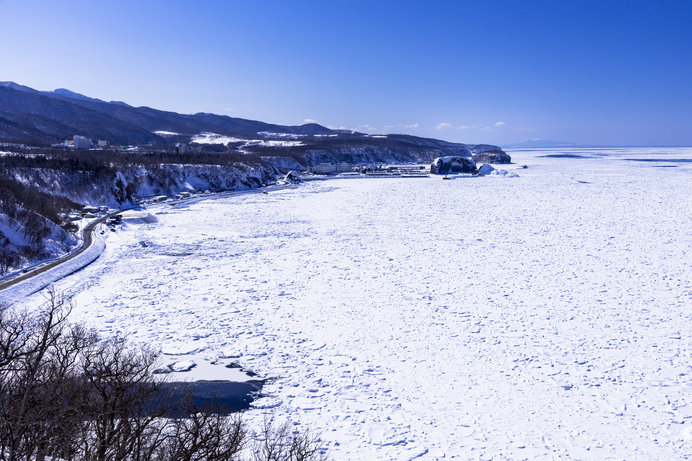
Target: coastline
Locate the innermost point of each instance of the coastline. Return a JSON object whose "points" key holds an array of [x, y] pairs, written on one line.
{"points": [[535, 300]]}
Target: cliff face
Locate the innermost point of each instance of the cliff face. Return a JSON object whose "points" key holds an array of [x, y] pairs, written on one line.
{"points": [[121, 187]]}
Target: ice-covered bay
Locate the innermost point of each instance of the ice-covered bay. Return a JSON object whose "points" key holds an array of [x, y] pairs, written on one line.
{"points": [[544, 317]]}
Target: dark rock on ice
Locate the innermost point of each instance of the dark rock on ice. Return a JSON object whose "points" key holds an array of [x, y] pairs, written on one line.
{"points": [[452, 164], [492, 156]]}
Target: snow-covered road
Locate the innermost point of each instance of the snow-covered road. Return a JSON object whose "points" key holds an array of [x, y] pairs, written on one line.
{"points": [[544, 317]]}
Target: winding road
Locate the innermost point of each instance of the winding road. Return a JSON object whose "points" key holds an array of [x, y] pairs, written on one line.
{"points": [[87, 240]]}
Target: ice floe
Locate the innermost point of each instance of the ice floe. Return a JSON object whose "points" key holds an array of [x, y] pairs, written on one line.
{"points": [[546, 317]]}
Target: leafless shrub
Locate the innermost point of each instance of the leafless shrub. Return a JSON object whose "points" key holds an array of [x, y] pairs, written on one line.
{"points": [[280, 442], [204, 436]]}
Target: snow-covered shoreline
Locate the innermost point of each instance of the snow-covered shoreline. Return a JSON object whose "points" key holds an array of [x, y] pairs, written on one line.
{"points": [[545, 316]]}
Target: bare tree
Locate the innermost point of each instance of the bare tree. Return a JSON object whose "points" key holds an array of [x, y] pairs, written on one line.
{"points": [[67, 394], [27, 341], [122, 403]]}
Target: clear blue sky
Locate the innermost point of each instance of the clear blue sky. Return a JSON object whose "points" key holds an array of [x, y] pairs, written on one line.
{"points": [[602, 72]]}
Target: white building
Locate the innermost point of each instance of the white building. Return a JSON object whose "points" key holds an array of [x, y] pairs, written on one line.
{"points": [[102, 143], [180, 148], [81, 142]]}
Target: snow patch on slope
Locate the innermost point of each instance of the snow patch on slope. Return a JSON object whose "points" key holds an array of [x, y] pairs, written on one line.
{"points": [[166, 134], [214, 138]]}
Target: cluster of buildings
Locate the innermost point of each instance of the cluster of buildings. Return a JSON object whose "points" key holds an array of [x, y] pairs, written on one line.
{"points": [[82, 143], [182, 148], [372, 169]]}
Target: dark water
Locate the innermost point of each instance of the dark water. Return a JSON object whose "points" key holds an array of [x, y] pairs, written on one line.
{"points": [[565, 156], [669, 160], [672, 162], [222, 397]]}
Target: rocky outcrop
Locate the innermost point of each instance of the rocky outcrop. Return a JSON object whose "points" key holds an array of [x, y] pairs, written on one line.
{"points": [[452, 164], [492, 156]]}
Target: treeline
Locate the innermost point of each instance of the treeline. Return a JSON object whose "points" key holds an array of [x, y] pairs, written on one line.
{"points": [[353, 148], [66, 394], [103, 161], [17, 199]]}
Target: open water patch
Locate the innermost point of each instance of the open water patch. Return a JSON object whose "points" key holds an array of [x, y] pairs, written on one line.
{"points": [[566, 156], [216, 396], [663, 160]]}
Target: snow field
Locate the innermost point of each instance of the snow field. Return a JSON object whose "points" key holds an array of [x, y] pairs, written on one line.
{"points": [[540, 317]]}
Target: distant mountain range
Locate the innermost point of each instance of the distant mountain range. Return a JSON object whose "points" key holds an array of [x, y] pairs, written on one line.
{"points": [[51, 116], [45, 117]]}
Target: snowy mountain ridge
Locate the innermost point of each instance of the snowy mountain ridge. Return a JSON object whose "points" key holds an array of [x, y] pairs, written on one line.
{"points": [[45, 117]]}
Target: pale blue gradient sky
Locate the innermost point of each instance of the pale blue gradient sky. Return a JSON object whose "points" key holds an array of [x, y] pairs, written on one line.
{"points": [[604, 72]]}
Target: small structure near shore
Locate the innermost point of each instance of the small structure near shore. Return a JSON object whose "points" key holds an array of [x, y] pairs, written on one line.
{"points": [[292, 178]]}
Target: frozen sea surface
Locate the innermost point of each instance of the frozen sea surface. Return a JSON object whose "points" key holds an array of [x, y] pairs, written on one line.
{"points": [[541, 317]]}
